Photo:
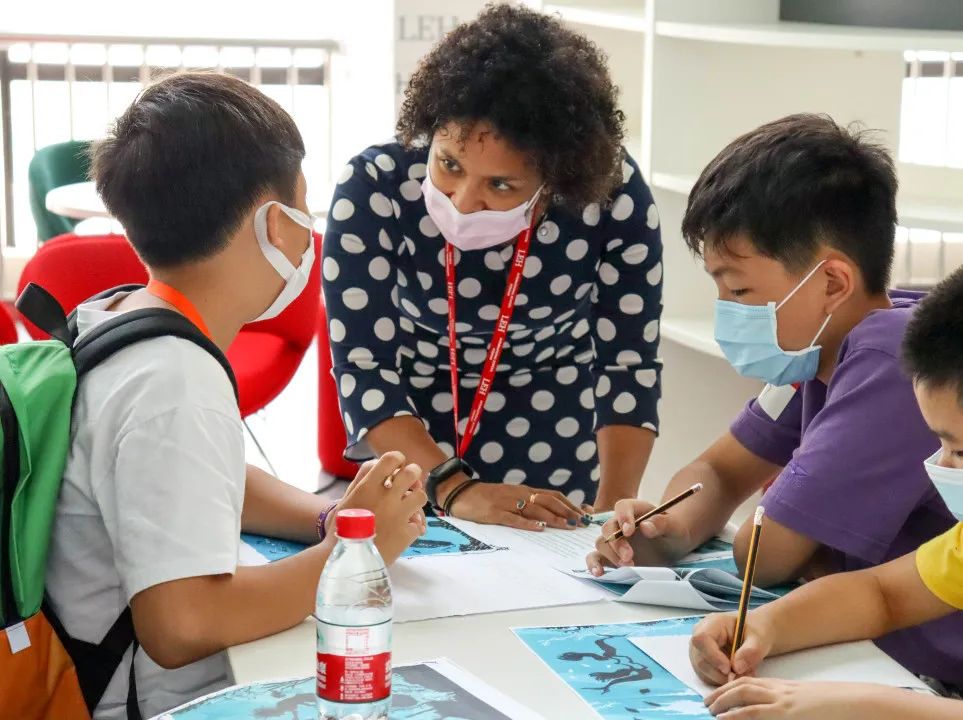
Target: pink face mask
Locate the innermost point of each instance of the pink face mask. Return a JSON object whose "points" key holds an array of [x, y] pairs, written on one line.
{"points": [[477, 230]]}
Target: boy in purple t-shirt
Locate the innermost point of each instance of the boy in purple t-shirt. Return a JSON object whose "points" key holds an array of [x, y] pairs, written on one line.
{"points": [[795, 222]]}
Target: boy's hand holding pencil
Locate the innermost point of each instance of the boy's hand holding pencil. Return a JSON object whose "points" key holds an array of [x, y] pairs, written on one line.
{"points": [[731, 645], [642, 534]]}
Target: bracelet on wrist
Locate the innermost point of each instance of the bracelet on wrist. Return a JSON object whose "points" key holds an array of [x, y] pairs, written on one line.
{"points": [[323, 520]]}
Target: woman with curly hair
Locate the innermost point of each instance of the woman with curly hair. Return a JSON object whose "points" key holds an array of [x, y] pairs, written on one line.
{"points": [[493, 281]]}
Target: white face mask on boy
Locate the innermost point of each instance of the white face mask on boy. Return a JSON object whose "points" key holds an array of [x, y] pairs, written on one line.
{"points": [[295, 278]]}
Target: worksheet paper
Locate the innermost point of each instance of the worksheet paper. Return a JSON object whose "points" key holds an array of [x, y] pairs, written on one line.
{"points": [[860, 662], [431, 689], [567, 549], [701, 588]]}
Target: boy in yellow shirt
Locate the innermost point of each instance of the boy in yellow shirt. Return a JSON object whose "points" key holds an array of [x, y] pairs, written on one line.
{"points": [[915, 589]]}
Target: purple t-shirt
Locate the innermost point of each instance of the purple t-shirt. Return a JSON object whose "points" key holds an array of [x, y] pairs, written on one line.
{"points": [[853, 476]]}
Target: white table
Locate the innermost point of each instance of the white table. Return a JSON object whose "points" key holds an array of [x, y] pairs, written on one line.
{"points": [[482, 644], [81, 201], [77, 200]]}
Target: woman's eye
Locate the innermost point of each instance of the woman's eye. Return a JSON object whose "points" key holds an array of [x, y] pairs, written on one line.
{"points": [[448, 164], [501, 186]]}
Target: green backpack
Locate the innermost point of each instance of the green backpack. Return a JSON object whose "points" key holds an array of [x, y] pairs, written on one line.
{"points": [[38, 382]]}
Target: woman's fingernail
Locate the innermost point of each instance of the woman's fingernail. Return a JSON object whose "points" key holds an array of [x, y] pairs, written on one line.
{"points": [[597, 571], [626, 528], [586, 519], [571, 523], [540, 524]]}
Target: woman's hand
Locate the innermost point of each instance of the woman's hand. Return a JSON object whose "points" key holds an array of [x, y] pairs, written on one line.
{"points": [[659, 541], [517, 506], [766, 699], [397, 505], [712, 641]]}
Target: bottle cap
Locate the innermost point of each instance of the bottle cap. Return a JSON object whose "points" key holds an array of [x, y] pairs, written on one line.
{"points": [[355, 524]]}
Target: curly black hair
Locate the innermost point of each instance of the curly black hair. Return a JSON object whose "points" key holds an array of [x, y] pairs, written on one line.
{"points": [[933, 343], [545, 89]]}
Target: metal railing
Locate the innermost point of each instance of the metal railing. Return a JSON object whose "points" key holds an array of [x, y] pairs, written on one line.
{"points": [[44, 78]]}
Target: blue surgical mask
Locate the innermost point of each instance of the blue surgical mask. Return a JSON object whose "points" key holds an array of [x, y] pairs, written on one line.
{"points": [[748, 338], [949, 484]]}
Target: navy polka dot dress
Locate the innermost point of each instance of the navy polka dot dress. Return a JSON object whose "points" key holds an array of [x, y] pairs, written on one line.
{"points": [[581, 348]]}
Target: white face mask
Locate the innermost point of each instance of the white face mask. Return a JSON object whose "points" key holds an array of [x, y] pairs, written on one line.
{"points": [[477, 230], [948, 482], [295, 278]]}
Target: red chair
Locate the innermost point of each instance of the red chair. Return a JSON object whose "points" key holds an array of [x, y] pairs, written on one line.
{"points": [[8, 328], [331, 436], [264, 356]]}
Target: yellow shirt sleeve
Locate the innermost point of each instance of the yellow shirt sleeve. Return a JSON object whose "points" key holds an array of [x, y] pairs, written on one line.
{"points": [[940, 564]]}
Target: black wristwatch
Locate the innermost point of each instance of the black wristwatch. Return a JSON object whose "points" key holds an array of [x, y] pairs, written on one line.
{"points": [[445, 471]]}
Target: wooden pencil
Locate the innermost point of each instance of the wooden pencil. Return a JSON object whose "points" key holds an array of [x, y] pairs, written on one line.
{"points": [[658, 510], [739, 635]]}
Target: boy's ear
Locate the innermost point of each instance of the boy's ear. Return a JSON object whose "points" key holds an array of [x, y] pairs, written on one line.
{"points": [[840, 283], [274, 226]]}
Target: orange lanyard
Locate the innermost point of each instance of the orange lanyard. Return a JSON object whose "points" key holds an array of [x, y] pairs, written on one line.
{"points": [[176, 298]]}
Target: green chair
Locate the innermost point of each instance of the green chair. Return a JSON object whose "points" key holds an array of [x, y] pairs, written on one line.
{"points": [[52, 167]]}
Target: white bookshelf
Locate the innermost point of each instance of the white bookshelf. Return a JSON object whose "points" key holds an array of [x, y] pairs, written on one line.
{"points": [[695, 74], [695, 333], [626, 16], [811, 35]]}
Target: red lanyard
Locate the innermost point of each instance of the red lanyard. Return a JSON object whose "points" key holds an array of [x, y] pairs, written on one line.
{"points": [[498, 338], [176, 298]]}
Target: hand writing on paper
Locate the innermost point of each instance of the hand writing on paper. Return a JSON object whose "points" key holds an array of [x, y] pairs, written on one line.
{"points": [[659, 541], [399, 519], [767, 699], [712, 641]]}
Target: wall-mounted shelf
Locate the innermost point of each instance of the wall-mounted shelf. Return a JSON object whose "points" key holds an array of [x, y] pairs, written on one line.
{"points": [[694, 333], [812, 35], [615, 16]]}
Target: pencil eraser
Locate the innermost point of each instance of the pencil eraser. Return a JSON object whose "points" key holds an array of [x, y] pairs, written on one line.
{"points": [[760, 511]]}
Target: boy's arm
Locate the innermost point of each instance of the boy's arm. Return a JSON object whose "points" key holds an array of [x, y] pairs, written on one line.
{"points": [[784, 554], [182, 621], [276, 509], [187, 619], [729, 474], [852, 606], [837, 608]]}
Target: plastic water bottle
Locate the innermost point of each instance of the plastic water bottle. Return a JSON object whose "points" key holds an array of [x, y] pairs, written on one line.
{"points": [[353, 615]]}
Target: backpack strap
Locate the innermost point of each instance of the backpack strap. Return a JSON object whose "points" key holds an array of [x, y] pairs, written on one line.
{"points": [[97, 663], [132, 327], [42, 309]]}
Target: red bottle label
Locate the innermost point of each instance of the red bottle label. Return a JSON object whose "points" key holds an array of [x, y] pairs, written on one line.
{"points": [[354, 663]]}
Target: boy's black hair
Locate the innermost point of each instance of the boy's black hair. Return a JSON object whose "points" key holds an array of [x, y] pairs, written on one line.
{"points": [[187, 161], [933, 343], [794, 184]]}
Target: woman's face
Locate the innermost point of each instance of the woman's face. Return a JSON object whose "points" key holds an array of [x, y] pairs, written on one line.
{"points": [[483, 172]]}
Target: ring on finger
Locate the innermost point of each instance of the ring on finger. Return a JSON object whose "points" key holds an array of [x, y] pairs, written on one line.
{"points": [[531, 498], [520, 505], [390, 480]]}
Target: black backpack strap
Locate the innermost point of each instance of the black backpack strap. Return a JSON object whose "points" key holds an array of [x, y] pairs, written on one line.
{"points": [[11, 476], [97, 663], [72, 317], [134, 326], [42, 309]]}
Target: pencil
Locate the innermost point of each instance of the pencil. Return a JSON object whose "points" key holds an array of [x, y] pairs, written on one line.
{"points": [[740, 633], [659, 510]]}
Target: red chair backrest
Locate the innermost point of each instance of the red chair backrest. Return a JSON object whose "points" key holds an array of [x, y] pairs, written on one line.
{"points": [[75, 267], [8, 329]]}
